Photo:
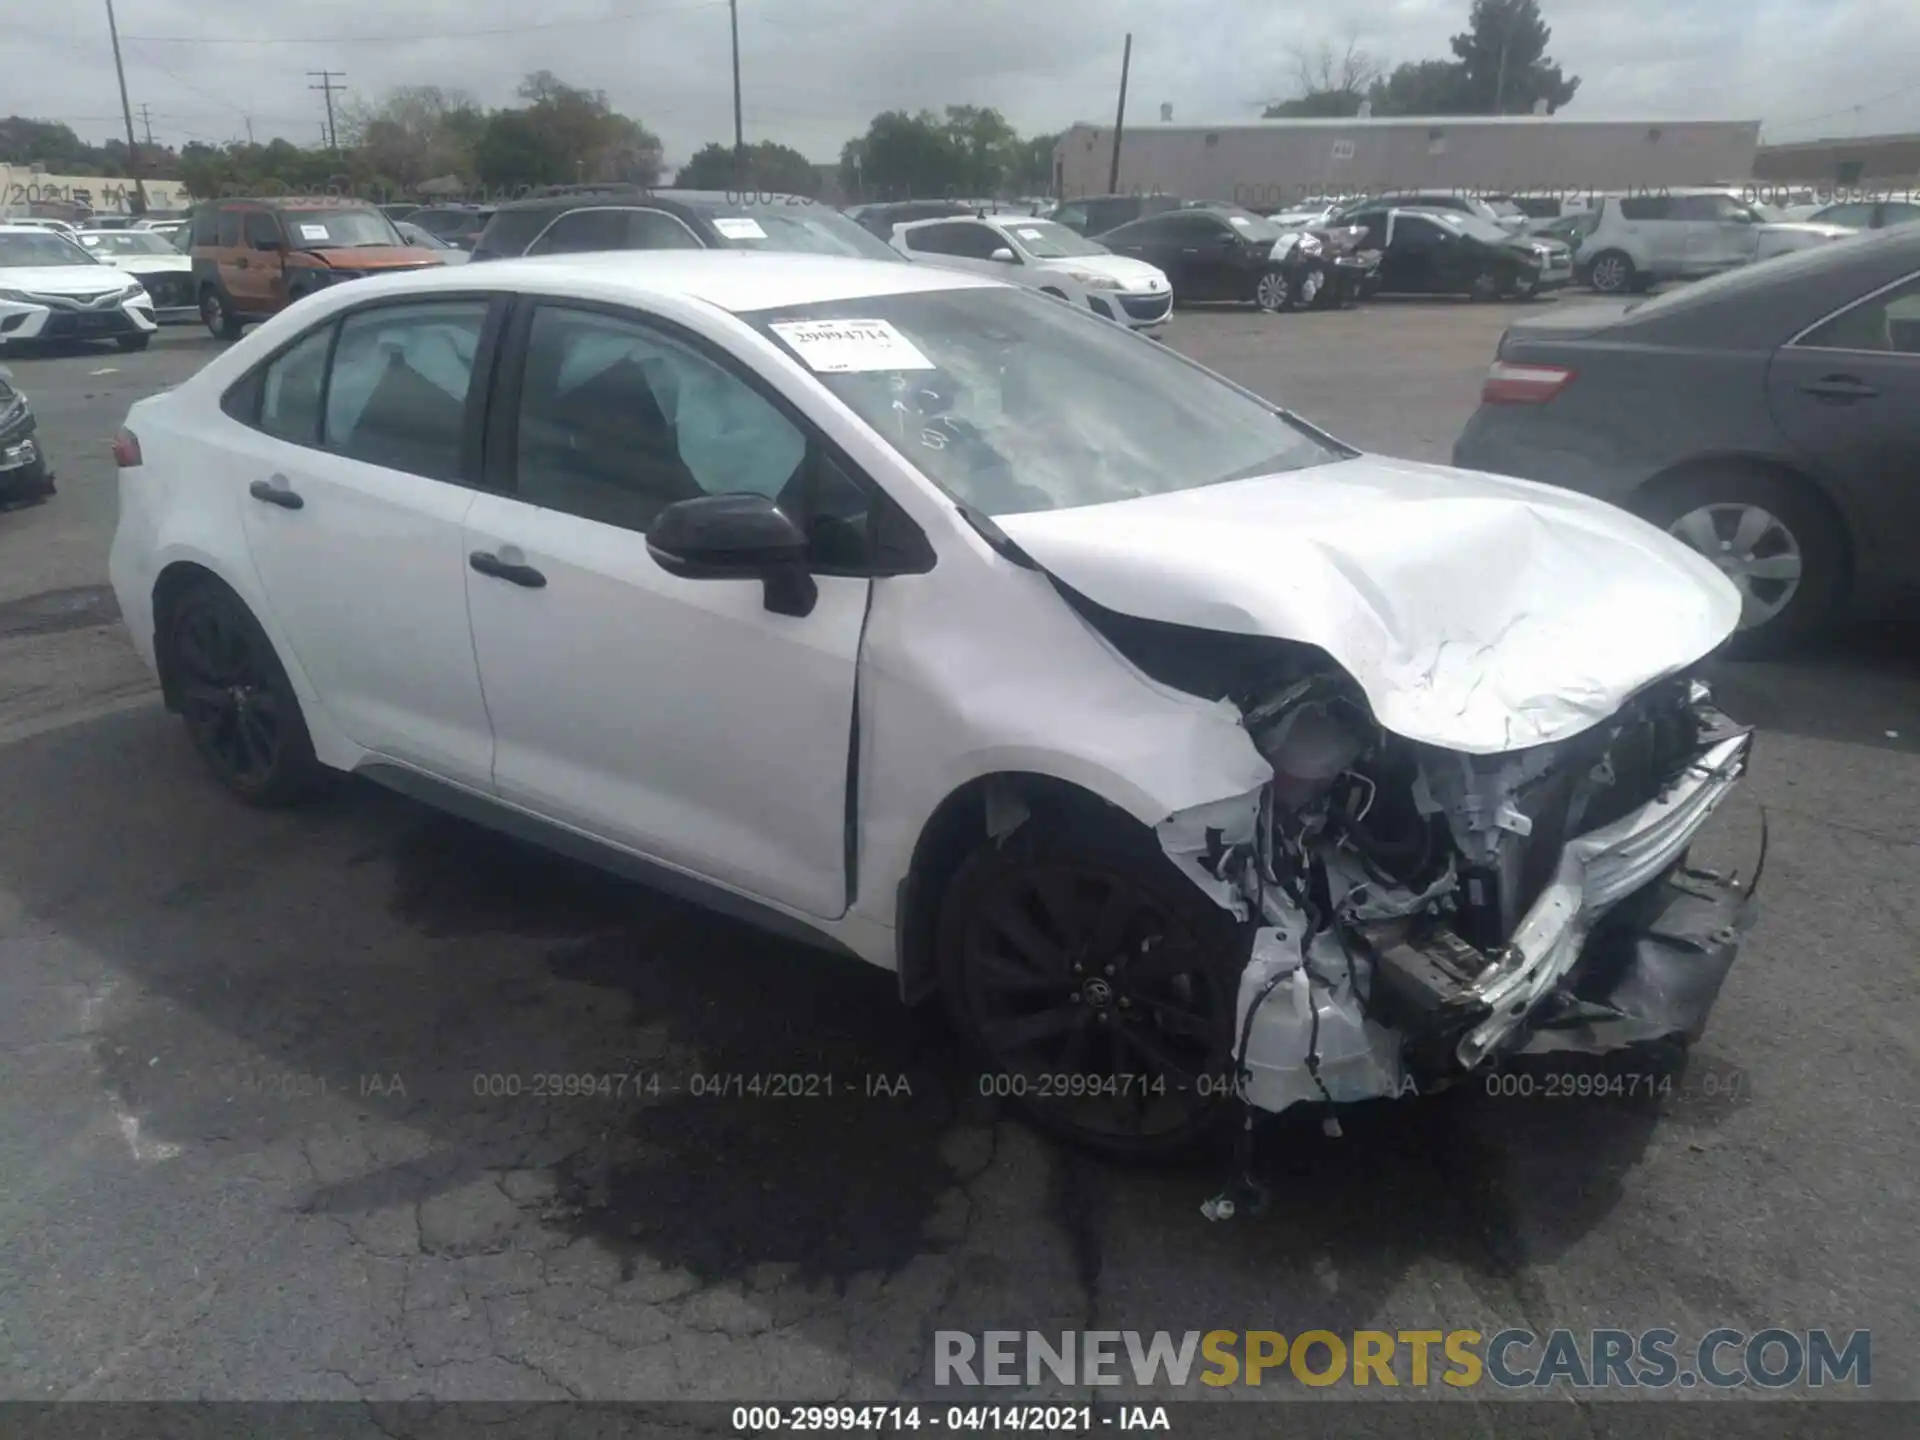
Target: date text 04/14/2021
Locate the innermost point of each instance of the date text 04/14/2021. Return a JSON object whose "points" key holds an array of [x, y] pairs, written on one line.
{"points": [[958, 1419]]}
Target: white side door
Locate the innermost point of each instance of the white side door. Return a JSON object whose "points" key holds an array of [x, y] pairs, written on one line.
{"points": [[677, 718], [353, 465]]}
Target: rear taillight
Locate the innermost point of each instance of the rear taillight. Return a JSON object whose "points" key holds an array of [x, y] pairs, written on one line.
{"points": [[126, 449], [1510, 384]]}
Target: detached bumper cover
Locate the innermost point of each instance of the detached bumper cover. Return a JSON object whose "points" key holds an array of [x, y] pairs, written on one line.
{"points": [[1596, 872], [1624, 945]]}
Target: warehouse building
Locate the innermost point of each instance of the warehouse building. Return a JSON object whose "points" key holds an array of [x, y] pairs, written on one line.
{"points": [[1885, 162], [1272, 163]]}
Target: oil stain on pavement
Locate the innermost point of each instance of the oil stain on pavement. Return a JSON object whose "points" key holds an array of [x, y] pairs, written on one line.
{"points": [[791, 1109]]}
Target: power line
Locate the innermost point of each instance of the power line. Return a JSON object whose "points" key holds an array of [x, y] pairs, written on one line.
{"points": [[397, 39], [327, 79]]}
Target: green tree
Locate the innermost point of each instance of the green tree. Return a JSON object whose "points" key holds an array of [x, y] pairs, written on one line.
{"points": [[1332, 81], [905, 156], [1031, 172], [769, 165], [1421, 87], [1503, 56], [515, 150], [986, 144], [415, 133]]}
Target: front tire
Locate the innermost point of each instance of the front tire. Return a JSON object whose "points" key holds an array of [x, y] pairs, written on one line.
{"points": [[1612, 273], [229, 687], [131, 343], [1772, 538], [1095, 985], [1485, 286], [1272, 293], [218, 315]]}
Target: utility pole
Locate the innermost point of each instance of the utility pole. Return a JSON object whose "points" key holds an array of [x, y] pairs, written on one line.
{"points": [[329, 82], [126, 112], [739, 133], [249, 120], [1500, 76], [1120, 118], [147, 121]]}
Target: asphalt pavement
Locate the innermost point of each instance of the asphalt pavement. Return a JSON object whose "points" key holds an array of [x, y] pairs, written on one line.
{"points": [[273, 1122]]}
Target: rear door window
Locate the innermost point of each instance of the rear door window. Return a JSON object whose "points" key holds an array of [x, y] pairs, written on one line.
{"points": [[229, 230], [397, 393], [1887, 323], [1648, 207]]}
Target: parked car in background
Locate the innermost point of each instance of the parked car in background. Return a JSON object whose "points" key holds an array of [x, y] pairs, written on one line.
{"points": [[1865, 214], [25, 477], [168, 230], [458, 225], [630, 218], [1094, 215], [1045, 256], [1213, 253], [426, 240], [401, 210], [1639, 240], [1769, 417], [880, 217], [42, 222], [1570, 229], [150, 258], [1450, 252], [950, 628], [253, 258], [1506, 217], [108, 222], [1530, 206], [52, 289]]}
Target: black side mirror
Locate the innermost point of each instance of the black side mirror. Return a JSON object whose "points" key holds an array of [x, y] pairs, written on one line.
{"points": [[736, 537]]}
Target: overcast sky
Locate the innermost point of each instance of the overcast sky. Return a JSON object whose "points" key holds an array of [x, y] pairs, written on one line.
{"points": [[815, 71]]}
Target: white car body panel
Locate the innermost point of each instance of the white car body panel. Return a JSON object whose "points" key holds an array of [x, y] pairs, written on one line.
{"points": [[79, 282], [1132, 279], [1579, 605], [680, 722]]}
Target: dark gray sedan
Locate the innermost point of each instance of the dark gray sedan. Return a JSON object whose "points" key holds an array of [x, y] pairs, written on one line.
{"points": [[1769, 417]]}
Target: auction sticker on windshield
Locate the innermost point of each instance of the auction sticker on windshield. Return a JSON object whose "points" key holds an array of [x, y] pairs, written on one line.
{"points": [[845, 347], [740, 228], [1029, 234], [313, 232]]}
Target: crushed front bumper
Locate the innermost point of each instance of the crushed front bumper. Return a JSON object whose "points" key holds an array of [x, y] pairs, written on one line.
{"points": [[1623, 946]]}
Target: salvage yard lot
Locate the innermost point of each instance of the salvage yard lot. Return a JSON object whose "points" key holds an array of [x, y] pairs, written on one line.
{"points": [[273, 1121]]}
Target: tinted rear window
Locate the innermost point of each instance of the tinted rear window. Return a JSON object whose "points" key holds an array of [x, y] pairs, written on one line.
{"points": [[509, 232]]}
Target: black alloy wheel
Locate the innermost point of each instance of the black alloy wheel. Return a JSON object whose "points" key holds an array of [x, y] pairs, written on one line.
{"points": [[1098, 991], [239, 708]]}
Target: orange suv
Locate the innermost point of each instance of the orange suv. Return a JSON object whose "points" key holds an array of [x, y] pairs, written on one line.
{"points": [[253, 258]]}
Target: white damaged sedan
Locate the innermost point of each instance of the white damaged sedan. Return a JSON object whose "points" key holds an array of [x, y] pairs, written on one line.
{"points": [[1198, 761]]}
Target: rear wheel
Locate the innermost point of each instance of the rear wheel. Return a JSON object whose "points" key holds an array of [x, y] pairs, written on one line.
{"points": [[1770, 537], [218, 315], [1612, 273], [1095, 984], [238, 705], [1485, 286]]}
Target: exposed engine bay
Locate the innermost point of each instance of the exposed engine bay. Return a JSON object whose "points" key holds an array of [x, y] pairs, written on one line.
{"points": [[1416, 912]]}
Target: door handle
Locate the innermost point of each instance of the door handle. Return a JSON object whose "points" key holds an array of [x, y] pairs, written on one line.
{"points": [[522, 575], [1840, 389], [275, 492]]}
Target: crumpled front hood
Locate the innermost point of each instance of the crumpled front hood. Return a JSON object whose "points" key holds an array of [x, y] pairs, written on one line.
{"points": [[1478, 613]]}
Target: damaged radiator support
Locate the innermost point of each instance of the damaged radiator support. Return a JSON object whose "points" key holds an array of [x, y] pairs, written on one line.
{"points": [[1530, 928]]}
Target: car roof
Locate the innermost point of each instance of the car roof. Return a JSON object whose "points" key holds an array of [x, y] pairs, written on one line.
{"points": [[636, 195], [738, 281]]}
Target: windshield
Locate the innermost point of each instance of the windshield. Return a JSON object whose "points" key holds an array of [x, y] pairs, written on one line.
{"points": [[806, 229], [1250, 225], [339, 229], [1012, 402], [126, 242], [414, 235], [41, 248], [1472, 225], [1047, 240]]}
